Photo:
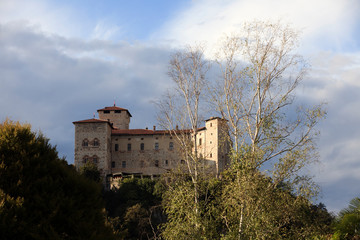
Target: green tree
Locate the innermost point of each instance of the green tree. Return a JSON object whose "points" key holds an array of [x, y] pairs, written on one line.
{"points": [[41, 196], [90, 171], [134, 209], [348, 223]]}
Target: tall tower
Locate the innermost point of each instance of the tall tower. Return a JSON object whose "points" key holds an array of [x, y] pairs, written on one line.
{"points": [[217, 145], [93, 144], [118, 117]]}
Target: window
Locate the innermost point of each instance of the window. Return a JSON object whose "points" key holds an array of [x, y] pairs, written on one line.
{"points": [[116, 147], [129, 139], [85, 159], [166, 162], [96, 142], [142, 146], [182, 161], [123, 164], [156, 163], [171, 145], [85, 143], [210, 142], [113, 164], [106, 111], [156, 146], [141, 164], [129, 147], [142, 138], [210, 124], [95, 159], [117, 111], [210, 155], [199, 141]]}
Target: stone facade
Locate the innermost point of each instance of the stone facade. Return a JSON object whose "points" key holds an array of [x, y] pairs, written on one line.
{"points": [[117, 150]]}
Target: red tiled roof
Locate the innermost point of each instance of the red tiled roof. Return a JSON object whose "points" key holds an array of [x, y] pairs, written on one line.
{"points": [[114, 108], [138, 132], [128, 132], [93, 120]]}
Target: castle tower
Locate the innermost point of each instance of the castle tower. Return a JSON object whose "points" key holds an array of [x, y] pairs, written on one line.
{"points": [[118, 117], [93, 144], [217, 142]]}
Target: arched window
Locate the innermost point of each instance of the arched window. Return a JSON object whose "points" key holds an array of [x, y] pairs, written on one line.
{"points": [[96, 142], [85, 142], [95, 159], [85, 159]]}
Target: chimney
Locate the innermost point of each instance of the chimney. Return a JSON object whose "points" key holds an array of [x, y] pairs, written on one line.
{"points": [[154, 128], [146, 128]]}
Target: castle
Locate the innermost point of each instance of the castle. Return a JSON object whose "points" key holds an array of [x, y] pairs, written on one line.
{"points": [[118, 151]]}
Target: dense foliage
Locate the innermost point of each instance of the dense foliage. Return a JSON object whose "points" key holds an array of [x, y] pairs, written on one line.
{"points": [[347, 225], [41, 196], [134, 209]]}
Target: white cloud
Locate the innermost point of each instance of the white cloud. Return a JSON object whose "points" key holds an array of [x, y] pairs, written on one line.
{"points": [[105, 30], [43, 16], [321, 21]]}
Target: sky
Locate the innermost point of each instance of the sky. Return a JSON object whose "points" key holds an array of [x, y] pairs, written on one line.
{"points": [[62, 60]]}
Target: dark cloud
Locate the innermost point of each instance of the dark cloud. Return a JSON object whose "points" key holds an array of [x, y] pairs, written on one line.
{"points": [[50, 81]]}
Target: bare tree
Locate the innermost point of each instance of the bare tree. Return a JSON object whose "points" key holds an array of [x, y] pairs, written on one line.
{"points": [[180, 109], [259, 76], [256, 93]]}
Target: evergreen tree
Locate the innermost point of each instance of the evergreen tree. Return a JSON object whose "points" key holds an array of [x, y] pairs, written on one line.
{"points": [[41, 196]]}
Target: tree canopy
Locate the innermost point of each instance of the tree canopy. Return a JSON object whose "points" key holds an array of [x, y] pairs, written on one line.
{"points": [[41, 196]]}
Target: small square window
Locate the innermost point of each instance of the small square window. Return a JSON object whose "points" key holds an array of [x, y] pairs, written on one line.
{"points": [[106, 111]]}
